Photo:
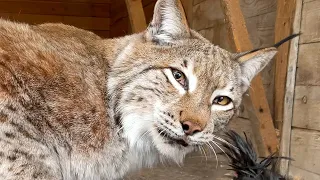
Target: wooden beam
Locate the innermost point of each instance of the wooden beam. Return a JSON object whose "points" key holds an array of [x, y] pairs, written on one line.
{"points": [[136, 15], [300, 174], [56, 8], [88, 23], [283, 28], [72, 1], [258, 107], [188, 8], [289, 91]]}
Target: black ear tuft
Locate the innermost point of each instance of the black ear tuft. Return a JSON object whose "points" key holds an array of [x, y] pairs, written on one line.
{"points": [[278, 44]]}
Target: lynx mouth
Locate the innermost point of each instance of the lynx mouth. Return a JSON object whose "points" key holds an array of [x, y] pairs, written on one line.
{"points": [[172, 140]]}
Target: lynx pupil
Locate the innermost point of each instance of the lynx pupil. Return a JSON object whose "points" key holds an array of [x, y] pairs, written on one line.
{"points": [[177, 75]]}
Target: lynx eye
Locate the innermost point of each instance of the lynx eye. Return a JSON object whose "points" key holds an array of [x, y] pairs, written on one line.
{"points": [[179, 77], [222, 100]]}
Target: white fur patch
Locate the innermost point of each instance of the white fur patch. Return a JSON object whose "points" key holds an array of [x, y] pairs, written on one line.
{"points": [[137, 130], [191, 78]]}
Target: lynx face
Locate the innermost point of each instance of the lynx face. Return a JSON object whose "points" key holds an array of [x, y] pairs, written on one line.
{"points": [[177, 89]]}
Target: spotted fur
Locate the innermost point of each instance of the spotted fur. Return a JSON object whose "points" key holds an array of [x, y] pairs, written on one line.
{"points": [[75, 106]]}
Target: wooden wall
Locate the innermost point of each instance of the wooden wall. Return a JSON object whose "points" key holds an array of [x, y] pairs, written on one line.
{"points": [[120, 24], [305, 134], [93, 15]]}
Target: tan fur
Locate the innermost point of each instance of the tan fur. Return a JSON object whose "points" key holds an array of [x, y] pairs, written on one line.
{"points": [[75, 106]]}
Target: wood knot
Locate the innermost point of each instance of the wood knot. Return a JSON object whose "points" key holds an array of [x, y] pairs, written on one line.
{"points": [[260, 110], [304, 99]]}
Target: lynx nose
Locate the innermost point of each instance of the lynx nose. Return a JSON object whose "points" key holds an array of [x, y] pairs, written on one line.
{"points": [[190, 128]]}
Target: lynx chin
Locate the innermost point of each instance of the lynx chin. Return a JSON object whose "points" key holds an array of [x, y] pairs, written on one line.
{"points": [[74, 106]]}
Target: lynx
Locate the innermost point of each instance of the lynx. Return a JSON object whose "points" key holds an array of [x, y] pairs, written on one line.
{"points": [[76, 106]]}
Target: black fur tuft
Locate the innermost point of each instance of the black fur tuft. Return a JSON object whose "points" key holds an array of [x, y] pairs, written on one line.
{"points": [[244, 160], [285, 40], [278, 44]]}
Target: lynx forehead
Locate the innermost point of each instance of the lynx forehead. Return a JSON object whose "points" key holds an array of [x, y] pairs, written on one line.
{"points": [[75, 106]]}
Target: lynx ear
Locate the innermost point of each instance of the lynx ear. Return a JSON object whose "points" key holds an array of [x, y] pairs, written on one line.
{"points": [[253, 62], [169, 22]]}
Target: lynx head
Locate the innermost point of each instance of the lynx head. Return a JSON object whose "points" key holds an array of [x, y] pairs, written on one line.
{"points": [[172, 89]]}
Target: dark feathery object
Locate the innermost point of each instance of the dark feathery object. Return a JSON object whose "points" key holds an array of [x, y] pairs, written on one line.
{"points": [[278, 44], [245, 163]]}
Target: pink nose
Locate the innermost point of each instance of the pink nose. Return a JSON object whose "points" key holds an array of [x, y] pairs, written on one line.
{"points": [[190, 128]]}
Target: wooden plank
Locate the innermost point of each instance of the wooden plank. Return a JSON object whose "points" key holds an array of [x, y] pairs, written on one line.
{"points": [[269, 88], [209, 34], [305, 1], [31, 18], [258, 106], [310, 22], [261, 29], [257, 7], [120, 27], [301, 174], [306, 110], [119, 6], [289, 94], [217, 35], [243, 113], [188, 7], [103, 34], [195, 2], [308, 72], [89, 23], [82, 1], [148, 11], [241, 125], [120, 24], [55, 8], [259, 112], [136, 15], [305, 149], [283, 28], [207, 14]]}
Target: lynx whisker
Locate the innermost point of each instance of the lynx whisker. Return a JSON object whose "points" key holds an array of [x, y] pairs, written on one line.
{"points": [[224, 141], [199, 150], [215, 154], [159, 134], [204, 152], [217, 144]]}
